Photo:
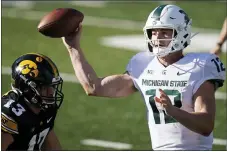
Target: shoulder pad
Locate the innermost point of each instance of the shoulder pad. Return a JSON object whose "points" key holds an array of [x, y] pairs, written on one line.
{"points": [[8, 124], [11, 95], [138, 62], [210, 69], [215, 70]]}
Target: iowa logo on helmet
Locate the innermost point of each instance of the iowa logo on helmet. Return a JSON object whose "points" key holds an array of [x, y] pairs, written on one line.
{"points": [[28, 67]]}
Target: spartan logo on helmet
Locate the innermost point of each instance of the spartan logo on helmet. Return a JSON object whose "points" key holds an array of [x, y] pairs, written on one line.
{"points": [[186, 18], [28, 67]]}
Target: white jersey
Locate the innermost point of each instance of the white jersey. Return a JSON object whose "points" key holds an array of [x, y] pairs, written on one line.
{"points": [[179, 81]]}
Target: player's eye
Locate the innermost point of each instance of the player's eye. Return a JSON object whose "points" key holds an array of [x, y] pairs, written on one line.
{"points": [[155, 32], [165, 34]]}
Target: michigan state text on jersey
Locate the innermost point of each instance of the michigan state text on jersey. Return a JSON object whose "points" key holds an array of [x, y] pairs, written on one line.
{"points": [[30, 108]]}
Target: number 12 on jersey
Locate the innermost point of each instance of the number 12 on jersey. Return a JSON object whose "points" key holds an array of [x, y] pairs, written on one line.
{"points": [[157, 112], [219, 65]]}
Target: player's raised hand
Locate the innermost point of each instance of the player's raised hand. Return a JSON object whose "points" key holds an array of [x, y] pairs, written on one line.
{"points": [[73, 39]]}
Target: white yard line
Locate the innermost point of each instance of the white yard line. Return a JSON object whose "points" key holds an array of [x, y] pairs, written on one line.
{"points": [[30, 4], [66, 76], [19, 4], [95, 4], [106, 144], [125, 146], [72, 78], [137, 43], [220, 142], [88, 20]]}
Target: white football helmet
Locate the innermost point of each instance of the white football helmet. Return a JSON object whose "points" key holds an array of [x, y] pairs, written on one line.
{"points": [[168, 17]]}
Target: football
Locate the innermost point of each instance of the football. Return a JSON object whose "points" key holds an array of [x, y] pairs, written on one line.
{"points": [[60, 22]]}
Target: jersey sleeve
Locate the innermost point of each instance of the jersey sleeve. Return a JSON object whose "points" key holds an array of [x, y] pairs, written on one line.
{"points": [[213, 71], [8, 123], [137, 65], [133, 68]]}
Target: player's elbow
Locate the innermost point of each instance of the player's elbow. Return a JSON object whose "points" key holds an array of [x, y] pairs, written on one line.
{"points": [[92, 90], [206, 133], [207, 130], [100, 91], [90, 93], [89, 89]]}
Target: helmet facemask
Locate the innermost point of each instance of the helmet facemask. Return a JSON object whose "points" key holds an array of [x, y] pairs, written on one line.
{"points": [[159, 46], [169, 17], [46, 96], [54, 98]]}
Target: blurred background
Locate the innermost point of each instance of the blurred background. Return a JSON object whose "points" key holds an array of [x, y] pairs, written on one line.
{"points": [[112, 34]]}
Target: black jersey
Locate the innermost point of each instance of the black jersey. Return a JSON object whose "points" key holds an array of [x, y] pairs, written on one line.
{"points": [[28, 129]]}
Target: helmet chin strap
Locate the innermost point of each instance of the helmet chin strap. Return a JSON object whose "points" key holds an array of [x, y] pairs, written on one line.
{"points": [[160, 52], [16, 90], [194, 35]]}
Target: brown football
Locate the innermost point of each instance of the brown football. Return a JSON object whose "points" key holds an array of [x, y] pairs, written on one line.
{"points": [[60, 22]]}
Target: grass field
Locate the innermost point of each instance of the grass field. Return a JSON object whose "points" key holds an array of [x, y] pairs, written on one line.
{"points": [[82, 117]]}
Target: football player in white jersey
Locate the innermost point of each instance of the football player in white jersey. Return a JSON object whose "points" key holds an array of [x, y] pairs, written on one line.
{"points": [[221, 39], [179, 90]]}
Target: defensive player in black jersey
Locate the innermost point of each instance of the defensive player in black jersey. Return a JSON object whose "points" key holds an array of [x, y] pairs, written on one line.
{"points": [[30, 108]]}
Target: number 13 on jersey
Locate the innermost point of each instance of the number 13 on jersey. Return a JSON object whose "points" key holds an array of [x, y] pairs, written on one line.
{"points": [[160, 115]]}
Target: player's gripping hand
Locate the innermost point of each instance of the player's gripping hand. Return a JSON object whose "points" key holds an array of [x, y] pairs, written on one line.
{"points": [[164, 100], [73, 40]]}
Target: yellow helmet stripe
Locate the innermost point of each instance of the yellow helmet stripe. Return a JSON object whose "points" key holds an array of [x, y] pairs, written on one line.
{"points": [[8, 124]]}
